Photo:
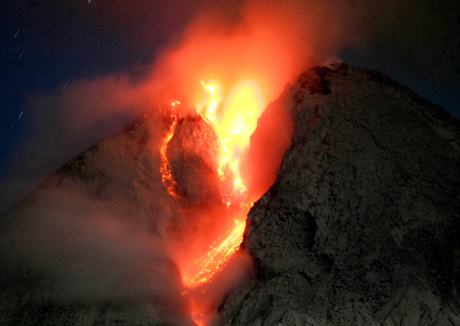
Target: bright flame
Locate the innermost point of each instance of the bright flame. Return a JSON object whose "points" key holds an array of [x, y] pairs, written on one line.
{"points": [[215, 259], [234, 120]]}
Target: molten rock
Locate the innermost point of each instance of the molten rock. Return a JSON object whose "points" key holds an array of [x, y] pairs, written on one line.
{"points": [[361, 227]]}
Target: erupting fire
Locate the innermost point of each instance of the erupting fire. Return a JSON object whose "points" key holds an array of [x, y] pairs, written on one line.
{"points": [[165, 168], [215, 259], [234, 119]]}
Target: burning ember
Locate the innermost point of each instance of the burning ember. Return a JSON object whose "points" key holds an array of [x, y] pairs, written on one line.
{"points": [[165, 168], [233, 119], [216, 257]]}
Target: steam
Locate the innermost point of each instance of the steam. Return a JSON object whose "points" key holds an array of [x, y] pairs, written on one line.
{"points": [[271, 42], [92, 253], [95, 255], [267, 41], [81, 252]]}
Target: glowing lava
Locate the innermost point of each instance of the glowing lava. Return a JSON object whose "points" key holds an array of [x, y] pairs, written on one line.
{"points": [[215, 259], [234, 119], [165, 167]]}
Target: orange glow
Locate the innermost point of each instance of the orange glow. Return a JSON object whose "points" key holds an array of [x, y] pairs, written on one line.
{"points": [[165, 168], [234, 119], [197, 315], [216, 258], [233, 116], [240, 68]]}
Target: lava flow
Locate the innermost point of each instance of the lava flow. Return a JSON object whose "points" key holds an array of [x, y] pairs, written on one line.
{"points": [[215, 259], [234, 119], [165, 168]]}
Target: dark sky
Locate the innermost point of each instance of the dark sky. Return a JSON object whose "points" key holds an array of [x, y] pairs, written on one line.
{"points": [[47, 45]]}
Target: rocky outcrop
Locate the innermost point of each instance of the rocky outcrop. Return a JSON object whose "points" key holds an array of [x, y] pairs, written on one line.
{"points": [[362, 225], [193, 154]]}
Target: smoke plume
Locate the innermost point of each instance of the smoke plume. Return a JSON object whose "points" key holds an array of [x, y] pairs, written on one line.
{"points": [[269, 42], [76, 250], [95, 255]]}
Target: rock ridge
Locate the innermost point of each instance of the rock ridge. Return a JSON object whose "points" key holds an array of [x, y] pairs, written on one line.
{"points": [[362, 224]]}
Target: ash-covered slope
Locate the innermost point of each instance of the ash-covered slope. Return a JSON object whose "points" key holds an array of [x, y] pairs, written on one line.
{"points": [[362, 226], [92, 244], [87, 246]]}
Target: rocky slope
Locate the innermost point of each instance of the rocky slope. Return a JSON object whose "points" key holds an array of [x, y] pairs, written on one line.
{"points": [[362, 226], [87, 246]]}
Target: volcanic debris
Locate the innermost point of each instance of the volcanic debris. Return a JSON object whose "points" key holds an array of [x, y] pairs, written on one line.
{"points": [[361, 227]]}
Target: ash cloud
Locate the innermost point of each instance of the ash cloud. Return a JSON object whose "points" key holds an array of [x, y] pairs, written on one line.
{"points": [[66, 122], [70, 248], [76, 240], [269, 40]]}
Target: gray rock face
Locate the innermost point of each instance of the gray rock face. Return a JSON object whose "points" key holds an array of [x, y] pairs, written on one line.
{"points": [[87, 246], [362, 225], [193, 154]]}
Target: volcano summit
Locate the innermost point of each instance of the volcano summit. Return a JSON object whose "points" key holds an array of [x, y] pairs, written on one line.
{"points": [[361, 226]]}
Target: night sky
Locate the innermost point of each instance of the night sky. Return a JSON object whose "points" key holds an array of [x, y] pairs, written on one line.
{"points": [[48, 45]]}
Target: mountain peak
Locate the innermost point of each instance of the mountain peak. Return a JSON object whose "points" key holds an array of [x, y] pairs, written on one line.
{"points": [[361, 225], [363, 219]]}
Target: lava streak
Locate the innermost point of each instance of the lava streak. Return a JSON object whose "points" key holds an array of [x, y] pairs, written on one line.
{"points": [[233, 116], [215, 259], [234, 119], [165, 167]]}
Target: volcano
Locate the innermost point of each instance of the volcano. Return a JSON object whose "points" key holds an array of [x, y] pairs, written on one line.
{"points": [[361, 225]]}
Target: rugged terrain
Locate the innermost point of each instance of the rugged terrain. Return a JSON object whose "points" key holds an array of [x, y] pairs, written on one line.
{"points": [[361, 227]]}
